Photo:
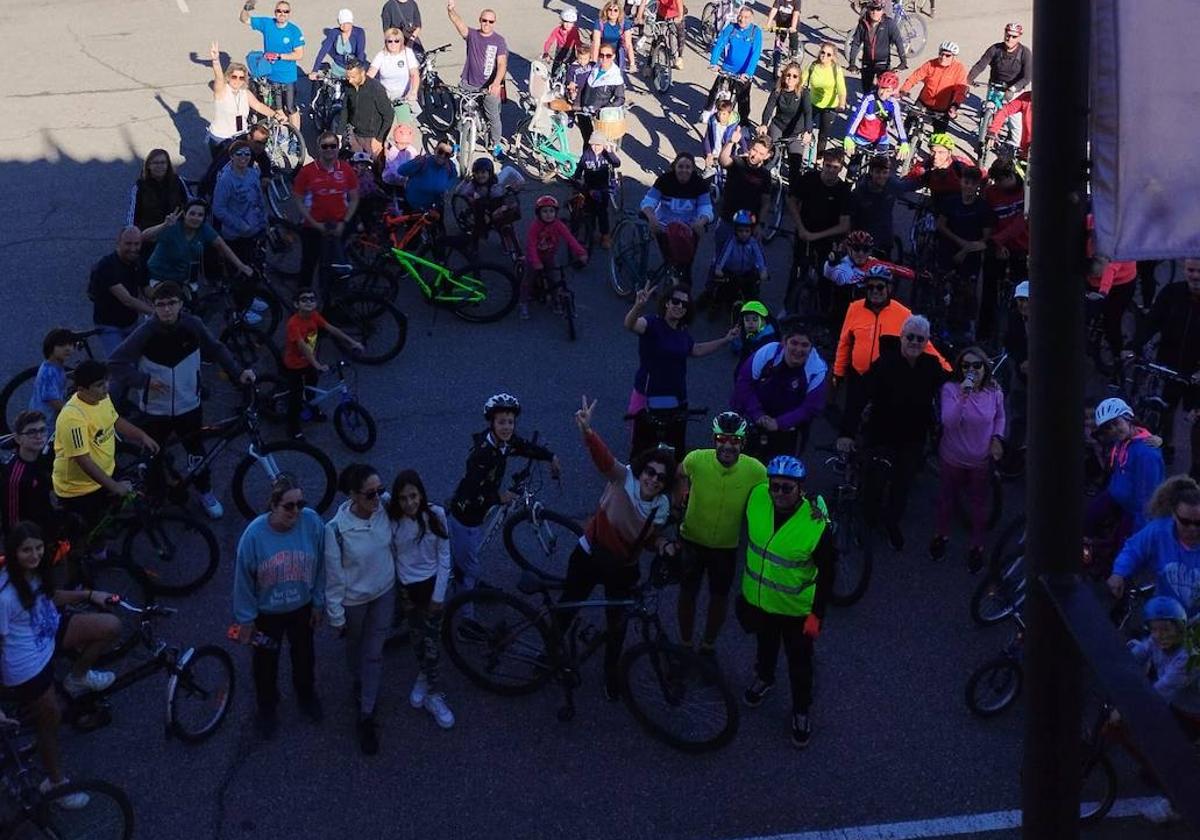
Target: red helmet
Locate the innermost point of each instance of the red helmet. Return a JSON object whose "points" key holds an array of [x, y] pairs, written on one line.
{"points": [[888, 79], [546, 201], [860, 240], [1014, 29]]}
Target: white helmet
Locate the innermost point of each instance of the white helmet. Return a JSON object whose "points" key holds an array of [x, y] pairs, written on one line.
{"points": [[948, 46], [568, 15], [1112, 408], [1022, 290]]}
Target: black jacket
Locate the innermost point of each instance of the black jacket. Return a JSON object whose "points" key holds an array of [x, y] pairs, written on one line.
{"points": [[403, 16], [1013, 70], [1175, 318], [369, 110], [479, 489], [901, 397], [877, 45]]}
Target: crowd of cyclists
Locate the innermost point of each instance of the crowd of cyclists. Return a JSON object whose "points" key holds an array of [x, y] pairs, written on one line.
{"points": [[915, 350]]}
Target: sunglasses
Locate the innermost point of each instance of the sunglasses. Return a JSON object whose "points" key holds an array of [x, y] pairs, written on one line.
{"points": [[877, 287], [293, 506], [791, 75], [916, 339], [283, 11], [658, 475], [679, 301], [728, 439], [1187, 523], [487, 20], [606, 55], [237, 76], [393, 41], [329, 145], [37, 431], [826, 55], [972, 365], [371, 494], [242, 153], [783, 487]]}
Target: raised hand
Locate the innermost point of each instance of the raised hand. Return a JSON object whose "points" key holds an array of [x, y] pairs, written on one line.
{"points": [[583, 417]]}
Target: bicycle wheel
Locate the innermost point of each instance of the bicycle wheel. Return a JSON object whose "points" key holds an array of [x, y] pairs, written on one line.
{"points": [[178, 552], [118, 576], [285, 147], [660, 69], [14, 398], [254, 475], [994, 686], [525, 150], [678, 696], [464, 214], [1098, 790], [915, 34], [855, 560], [569, 312], [355, 426], [545, 547], [630, 256], [483, 292], [252, 349], [279, 195], [1003, 590], [500, 642], [986, 112], [439, 109], [374, 282], [468, 133], [376, 323], [108, 814], [708, 25], [775, 212], [199, 696]]}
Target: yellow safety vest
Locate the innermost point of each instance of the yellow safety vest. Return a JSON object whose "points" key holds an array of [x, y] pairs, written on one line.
{"points": [[780, 575]]}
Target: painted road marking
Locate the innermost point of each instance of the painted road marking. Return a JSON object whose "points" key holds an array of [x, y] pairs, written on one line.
{"points": [[943, 826], [183, 6]]}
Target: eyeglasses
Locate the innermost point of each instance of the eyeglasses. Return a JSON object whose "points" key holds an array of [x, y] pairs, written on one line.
{"points": [[487, 20], [242, 153], [167, 303], [393, 41], [679, 301], [371, 494], [237, 76], [36, 431], [916, 339], [729, 439], [329, 145], [293, 506], [973, 365], [658, 475], [783, 487], [1187, 523], [791, 75]]}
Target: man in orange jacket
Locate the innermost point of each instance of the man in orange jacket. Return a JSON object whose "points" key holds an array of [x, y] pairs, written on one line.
{"points": [[943, 87]]}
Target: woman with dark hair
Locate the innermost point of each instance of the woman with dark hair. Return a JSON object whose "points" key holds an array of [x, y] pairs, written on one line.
{"points": [[157, 193], [1168, 547], [629, 517], [179, 243], [421, 549], [360, 588], [972, 437], [664, 346], [679, 209], [32, 631], [279, 589]]}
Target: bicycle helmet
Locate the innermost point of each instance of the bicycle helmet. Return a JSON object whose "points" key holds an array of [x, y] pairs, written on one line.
{"points": [[361, 157], [744, 217], [1021, 291], [860, 240], [483, 165], [888, 79], [786, 466], [880, 271], [943, 139], [546, 201], [1164, 608], [874, 5], [1014, 29], [568, 15], [1112, 408], [501, 402], [755, 307], [948, 46], [729, 423]]}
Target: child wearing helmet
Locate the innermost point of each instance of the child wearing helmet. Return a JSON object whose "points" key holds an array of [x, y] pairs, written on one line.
{"points": [[544, 236], [739, 267], [595, 178], [1136, 469], [560, 44], [876, 114], [756, 327], [492, 198]]}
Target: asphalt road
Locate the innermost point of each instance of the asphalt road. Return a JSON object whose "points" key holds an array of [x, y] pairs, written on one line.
{"points": [[893, 740]]}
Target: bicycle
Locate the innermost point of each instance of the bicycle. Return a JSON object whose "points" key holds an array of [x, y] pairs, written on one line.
{"points": [[1146, 383], [469, 124], [285, 145], [854, 534], [541, 144], [992, 102], [200, 684], [661, 62], [662, 424], [780, 186], [582, 213], [912, 29], [781, 51], [865, 153], [715, 16], [918, 119], [328, 99], [28, 811], [352, 422], [555, 292], [1104, 356], [629, 260], [18, 391], [439, 110], [510, 647]]}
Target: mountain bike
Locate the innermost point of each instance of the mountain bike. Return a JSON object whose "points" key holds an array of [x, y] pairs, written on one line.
{"points": [[18, 391], [992, 102], [629, 261], [540, 144], [715, 16], [912, 29], [918, 119], [662, 423], [781, 52], [328, 99], [1146, 384], [439, 109], [285, 145], [854, 530], [780, 185], [512, 647], [200, 683], [352, 422], [27, 811]]}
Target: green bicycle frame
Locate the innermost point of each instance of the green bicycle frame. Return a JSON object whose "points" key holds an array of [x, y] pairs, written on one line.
{"points": [[447, 286], [556, 147]]}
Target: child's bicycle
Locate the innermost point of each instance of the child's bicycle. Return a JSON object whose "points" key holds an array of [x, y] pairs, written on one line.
{"points": [[540, 144], [550, 286], [352, 422], [582, 214]]}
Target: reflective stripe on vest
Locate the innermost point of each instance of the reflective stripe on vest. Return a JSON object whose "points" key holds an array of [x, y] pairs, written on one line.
{"points": [[780, 575]]}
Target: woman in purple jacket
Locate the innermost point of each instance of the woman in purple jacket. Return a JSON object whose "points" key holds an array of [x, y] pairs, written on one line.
{"points": [[972, 437]]}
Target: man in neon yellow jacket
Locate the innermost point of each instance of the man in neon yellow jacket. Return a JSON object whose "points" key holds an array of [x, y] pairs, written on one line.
{"points": [[790, 560]]}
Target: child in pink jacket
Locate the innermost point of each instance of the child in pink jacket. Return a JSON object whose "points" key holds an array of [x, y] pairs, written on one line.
{"points": [[541, 245]]}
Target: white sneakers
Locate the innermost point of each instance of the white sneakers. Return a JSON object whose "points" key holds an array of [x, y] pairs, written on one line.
{"points": [[1160, 811], [70, 802], [89, 682], [212, 505], [433, 702], [420, 689]]}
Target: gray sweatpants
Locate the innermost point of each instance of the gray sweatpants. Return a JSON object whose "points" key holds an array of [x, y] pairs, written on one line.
{"points": [[367, 627]]}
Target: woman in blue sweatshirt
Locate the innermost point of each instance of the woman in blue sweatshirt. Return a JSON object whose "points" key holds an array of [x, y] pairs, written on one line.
{"points": [[1168, 547], [278, 589]]}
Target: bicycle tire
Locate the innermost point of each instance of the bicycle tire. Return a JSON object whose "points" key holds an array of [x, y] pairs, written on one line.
{"points": [[208, 677], [468, 134], [439, 109], [708, 25], [661, 64], [915, 35], [629, 257], [252, 349], [498, 285], [11, 388], [355, 426], [1003, 589], [169, 567], [986, 111], [463, 212], [856, 558], [374, 322], [527, 152], [667, 675], [319, 497], [552, 565], [373, 282], [118, 576], [775, 212], [108, 814], [509, 632], [994, 686], [1097, 777], [285, 147], [570, 313]]}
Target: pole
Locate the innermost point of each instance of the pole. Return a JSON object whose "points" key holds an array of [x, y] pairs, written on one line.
{"points": [[1053, 669]]}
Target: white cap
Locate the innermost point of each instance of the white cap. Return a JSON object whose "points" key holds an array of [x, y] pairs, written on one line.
{"points": [[1022, 290], [568, 15], [345, 16]]}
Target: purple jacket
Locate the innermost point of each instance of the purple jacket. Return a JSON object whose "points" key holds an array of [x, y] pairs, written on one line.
{"points": [[969, 421], [767, 386]]}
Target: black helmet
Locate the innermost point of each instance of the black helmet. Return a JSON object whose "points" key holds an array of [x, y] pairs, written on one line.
{"points": [[729, 423], [501, 402]]}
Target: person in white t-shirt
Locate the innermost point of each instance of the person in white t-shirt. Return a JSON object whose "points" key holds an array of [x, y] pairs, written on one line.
{"points": [[232, 102], [396, 67]]}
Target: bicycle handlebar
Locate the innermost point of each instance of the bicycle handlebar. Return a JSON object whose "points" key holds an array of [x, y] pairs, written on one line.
{"points": [[437, 50], [149, 609]]}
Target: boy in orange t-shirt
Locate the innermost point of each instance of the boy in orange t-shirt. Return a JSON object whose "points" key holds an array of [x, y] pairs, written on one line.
{"points": [[300, 363]]}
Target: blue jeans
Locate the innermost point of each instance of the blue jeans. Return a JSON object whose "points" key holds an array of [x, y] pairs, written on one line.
{"points": [[465, 542], [367, 627], [110, 336]]}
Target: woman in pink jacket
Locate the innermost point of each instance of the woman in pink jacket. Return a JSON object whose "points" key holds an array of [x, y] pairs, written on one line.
{"points": [[972, 437]]}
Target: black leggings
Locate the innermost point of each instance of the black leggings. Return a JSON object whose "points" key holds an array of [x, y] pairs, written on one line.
{"points": [[297, 627], [788, 631], [823, 119], [586, 571]]}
